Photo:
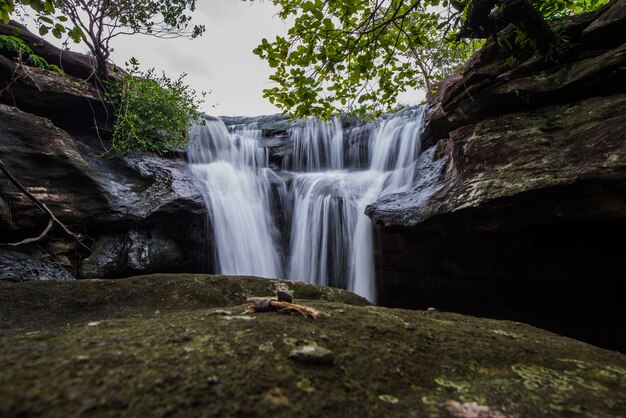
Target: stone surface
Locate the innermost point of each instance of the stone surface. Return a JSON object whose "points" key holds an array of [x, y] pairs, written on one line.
{"points": [[312, 354], [66, 100], [16, 265], [31, 306], [72, 63], [186, 361], [99, 196], [517, 153]]}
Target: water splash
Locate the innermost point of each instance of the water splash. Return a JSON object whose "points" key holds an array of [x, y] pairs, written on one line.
{"points": [[331, 237]]}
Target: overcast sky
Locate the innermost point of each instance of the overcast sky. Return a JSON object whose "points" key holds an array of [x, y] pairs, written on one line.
{"points": [[221, 61]]}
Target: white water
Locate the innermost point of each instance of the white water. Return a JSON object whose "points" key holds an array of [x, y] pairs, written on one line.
{"points": [[330, 238], [232, 175]]}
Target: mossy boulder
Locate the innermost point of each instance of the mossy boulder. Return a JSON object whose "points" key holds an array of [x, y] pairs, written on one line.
{"points": [[192, 359]]}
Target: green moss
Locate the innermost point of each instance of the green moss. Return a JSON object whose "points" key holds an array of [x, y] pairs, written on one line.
{"points": [[540, 378], [194, 362]]}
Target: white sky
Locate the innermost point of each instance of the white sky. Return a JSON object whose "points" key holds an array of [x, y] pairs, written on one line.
{"points": [[221, 61]]}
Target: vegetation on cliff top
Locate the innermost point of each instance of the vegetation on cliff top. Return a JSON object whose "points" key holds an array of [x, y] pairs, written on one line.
{"points": [[96, 22], [152, 113]]}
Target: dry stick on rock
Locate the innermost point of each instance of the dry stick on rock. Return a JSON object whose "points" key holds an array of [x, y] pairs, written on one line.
{"points": [[43, 207], [283, 304], [31, 240]]}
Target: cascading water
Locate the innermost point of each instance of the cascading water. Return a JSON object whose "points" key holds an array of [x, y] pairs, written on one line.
{"points": [[331, 238], [332, 181], [232, 175]]}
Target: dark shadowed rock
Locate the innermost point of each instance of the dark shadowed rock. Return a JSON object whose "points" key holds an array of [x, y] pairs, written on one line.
{"points": [[66, 100], [97, 196]]}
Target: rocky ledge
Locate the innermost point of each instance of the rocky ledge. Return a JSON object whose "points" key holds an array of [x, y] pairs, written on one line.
{"points": [[205, 358]]}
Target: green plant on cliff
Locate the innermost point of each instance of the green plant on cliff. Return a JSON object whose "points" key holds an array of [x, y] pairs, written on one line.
{"points": [[358, 55], [153, 113], [24, 53]]}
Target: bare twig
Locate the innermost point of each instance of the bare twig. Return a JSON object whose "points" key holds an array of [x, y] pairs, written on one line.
{"points": [[40, 205], [31, 240]]}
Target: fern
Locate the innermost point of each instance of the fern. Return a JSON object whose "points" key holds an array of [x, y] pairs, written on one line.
{"points": [[25, 53], [14, 44]]}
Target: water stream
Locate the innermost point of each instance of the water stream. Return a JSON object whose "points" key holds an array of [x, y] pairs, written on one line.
{"points": [[333, 173]]}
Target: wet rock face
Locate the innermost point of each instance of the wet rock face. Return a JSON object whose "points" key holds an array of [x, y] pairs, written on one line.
{"points": [[136, 252], [102, 198], [529, 208]]}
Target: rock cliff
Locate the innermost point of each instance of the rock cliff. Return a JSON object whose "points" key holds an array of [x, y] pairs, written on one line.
{"points": [[53, 129], [526, 210]]}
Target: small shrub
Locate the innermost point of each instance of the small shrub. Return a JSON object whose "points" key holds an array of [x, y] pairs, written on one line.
{"points": [[153, 113]]}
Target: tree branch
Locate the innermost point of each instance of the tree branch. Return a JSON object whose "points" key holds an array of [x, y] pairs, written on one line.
{"points": [[31, 240]]}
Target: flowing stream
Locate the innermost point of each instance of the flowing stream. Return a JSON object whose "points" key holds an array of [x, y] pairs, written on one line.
{"points": [[306, 222]]}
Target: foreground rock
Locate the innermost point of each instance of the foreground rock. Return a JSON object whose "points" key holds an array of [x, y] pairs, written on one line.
{"points": [[201, 361], [521, 210]]}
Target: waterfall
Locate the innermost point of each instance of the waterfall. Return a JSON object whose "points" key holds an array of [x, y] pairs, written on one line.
{"points": [[335, 172], [231, 172]]}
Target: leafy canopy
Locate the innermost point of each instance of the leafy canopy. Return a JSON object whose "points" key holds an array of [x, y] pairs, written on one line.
{"points": [[98, 22], [356, 56]]}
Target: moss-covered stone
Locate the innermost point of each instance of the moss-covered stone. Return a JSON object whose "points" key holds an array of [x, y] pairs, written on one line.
{"points": [[35, 305], [189, 359]]}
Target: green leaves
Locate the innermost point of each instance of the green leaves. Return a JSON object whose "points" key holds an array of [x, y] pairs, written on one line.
{"points": [[153, 113], [25, 54], [357, 56], [96, 22], [346, 56]]}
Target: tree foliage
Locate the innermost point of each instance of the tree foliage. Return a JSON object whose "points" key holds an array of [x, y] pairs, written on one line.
{"points": [[356, 56], [100, 21], [153, 113], [97, 22], [7, 7]]}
